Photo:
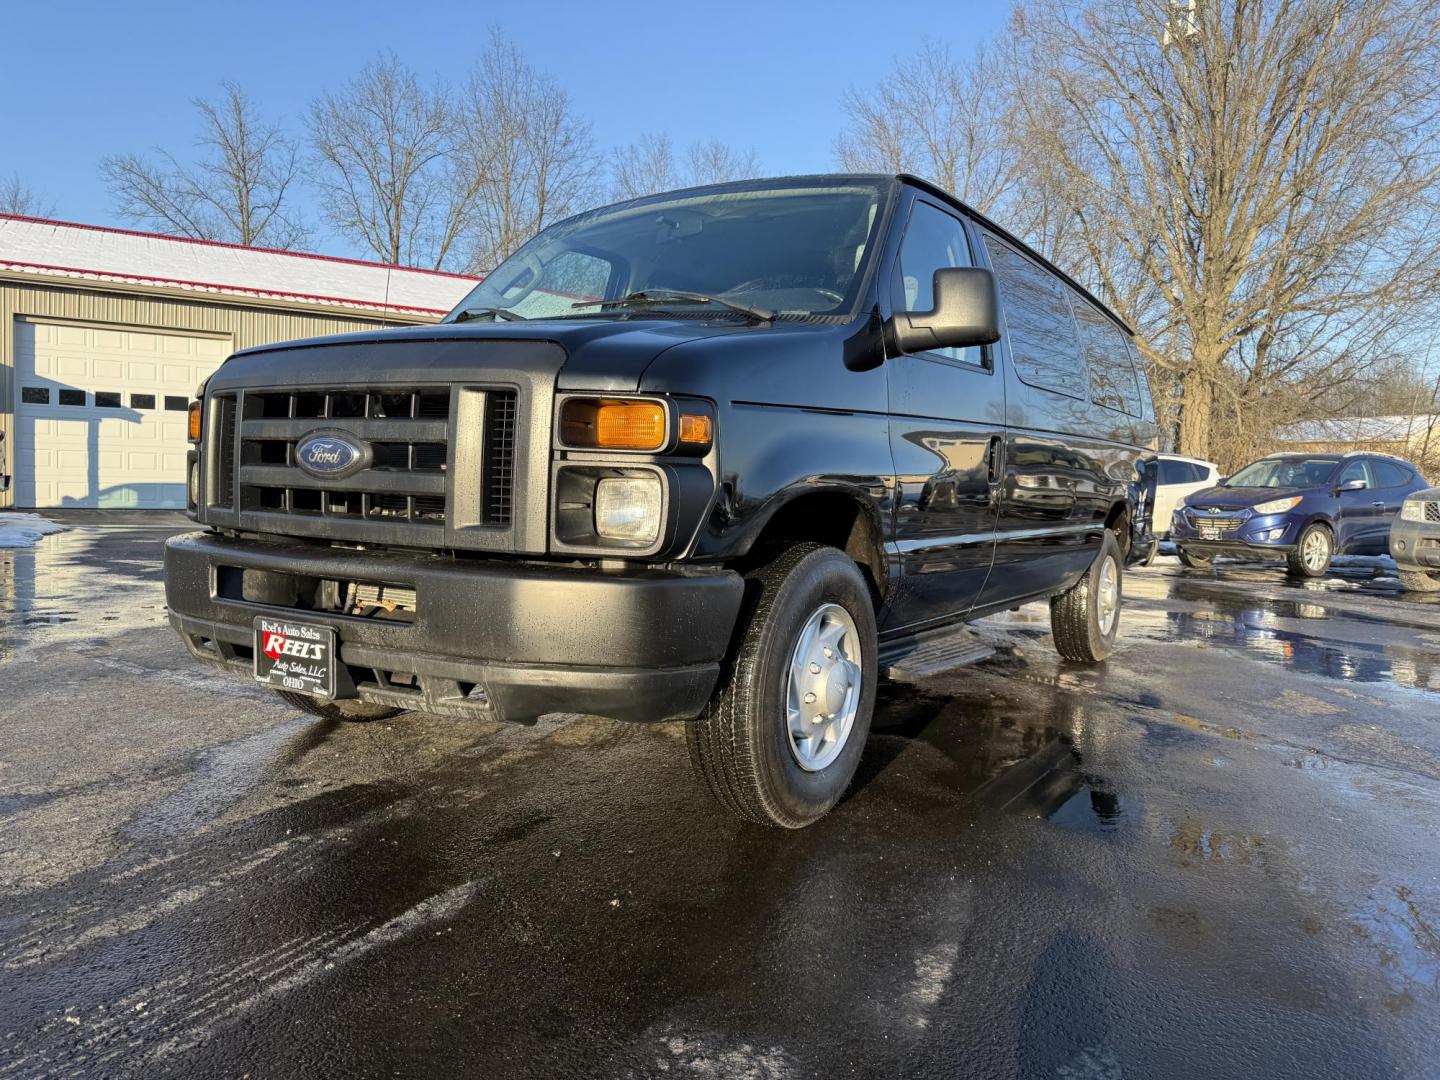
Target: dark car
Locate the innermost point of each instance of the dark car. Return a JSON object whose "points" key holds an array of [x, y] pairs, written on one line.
{"points": [[1306, 508], [725, 455], [1415, 541]]}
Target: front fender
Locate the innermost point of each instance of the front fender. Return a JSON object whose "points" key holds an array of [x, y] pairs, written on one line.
{"points": [[772, 455]]}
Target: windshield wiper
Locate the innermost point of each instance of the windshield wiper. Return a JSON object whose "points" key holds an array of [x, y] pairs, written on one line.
{"points": [[496, 314], [643, 297]]}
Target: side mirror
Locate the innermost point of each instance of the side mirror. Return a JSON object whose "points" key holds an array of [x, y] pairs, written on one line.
{"points": [[1352, 485], [965, 313]]}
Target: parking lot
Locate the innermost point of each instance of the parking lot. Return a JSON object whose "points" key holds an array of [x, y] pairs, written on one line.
{"points": [[1216, 854]]}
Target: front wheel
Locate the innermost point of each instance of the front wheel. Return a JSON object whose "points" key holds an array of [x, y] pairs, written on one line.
{"points": [[1085, 618], [1312, 554], [780, 740], [1194, 560], [346, 709], [1419, 581]]}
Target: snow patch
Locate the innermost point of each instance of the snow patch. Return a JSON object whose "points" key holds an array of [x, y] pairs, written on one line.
{"points": [[22, 530]]}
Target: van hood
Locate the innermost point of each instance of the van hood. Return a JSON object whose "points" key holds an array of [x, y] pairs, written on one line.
{"points": [[605, 355]]}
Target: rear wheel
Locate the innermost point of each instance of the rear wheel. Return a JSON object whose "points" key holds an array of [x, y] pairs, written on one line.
{"points": [[1195, 560], [780, 740], [1312, 554], [1419, 581], [347, 709], [1085, 619]]}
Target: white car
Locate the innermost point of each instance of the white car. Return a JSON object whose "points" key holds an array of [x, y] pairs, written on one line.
{"points": [[1179, 476]]}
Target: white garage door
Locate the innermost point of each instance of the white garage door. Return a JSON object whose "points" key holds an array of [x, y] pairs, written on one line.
{"points": [[100, 414]]}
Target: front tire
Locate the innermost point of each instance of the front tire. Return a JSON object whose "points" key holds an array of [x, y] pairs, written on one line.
{"points": [[348, 710], [781, 738], [1312, 554], [1419, 581], [1085, 618], [1194, 559]]}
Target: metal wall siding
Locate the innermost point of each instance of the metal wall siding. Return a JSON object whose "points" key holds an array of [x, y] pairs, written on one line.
{"points": [[244, 324]]}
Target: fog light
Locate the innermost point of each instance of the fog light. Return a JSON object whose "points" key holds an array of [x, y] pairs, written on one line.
{"points": [[628, 508], [1274, 534]]}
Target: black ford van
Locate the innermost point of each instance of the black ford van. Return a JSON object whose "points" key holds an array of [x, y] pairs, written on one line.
{"points": [[727, 455]]}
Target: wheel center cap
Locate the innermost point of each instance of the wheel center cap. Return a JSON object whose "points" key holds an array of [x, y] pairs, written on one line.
{"points": [[837, 683]]}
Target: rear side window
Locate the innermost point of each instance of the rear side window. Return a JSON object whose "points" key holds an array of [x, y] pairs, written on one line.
{"points": [[1039, 328], [1112, 379], [1390, 474], [1179, 472]]}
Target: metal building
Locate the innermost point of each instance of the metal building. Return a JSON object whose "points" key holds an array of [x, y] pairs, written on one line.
{"points": [[105, 334]]}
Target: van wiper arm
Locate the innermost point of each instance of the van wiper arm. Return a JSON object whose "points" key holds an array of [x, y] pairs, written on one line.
{"points": [[495, 313], [644, 297]]}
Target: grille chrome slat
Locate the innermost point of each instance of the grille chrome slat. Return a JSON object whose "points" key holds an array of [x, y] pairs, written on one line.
{"points": [[405, 430], [387, 481]]}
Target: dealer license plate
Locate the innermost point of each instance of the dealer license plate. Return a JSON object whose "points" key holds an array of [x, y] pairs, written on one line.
{"points": [[295, 656], [1209, 532]]}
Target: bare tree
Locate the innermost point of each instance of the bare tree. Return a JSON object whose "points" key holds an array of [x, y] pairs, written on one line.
{"points": [[236, 189], [1255, 184], [649, 165], [18, 197], [938, 118], [384, 151], [714, 162], [525, 158]]}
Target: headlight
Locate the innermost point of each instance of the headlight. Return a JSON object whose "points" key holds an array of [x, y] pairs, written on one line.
{"points": [[1413, 510], [1279, 506], [192, 486], [628, 508]]}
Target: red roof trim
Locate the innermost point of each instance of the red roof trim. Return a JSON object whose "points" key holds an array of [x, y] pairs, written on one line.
{"points": [[210, 285], [235, 247]]}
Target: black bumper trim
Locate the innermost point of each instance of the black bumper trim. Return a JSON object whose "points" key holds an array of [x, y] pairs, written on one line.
{"points": [[489, 638]]}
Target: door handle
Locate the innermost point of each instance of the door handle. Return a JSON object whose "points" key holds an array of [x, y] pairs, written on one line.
{"points": [[992, 460], [1381, 505]]}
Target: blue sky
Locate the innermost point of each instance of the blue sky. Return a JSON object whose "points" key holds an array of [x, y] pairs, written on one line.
{"points": [[84, 79]]}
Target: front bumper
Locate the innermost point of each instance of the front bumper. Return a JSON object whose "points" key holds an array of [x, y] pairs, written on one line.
{"points": [[1415, 544], [1255, 536], [490, 638]]}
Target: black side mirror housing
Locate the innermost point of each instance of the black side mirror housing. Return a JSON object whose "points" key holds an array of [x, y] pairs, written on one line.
{"points": [[966, 312]]}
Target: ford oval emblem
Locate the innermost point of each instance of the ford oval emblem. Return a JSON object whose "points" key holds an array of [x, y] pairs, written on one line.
{"points": [[330, 455]]}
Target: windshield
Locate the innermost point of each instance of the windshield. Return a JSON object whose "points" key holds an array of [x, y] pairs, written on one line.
{"points": [[1283, 473], [792, 249]]}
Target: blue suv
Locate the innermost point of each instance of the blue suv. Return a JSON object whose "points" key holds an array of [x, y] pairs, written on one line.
{"points": [[1306, 507]]}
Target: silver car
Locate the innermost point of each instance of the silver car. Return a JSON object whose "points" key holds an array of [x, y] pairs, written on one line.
{"points": [[1415, 541]]}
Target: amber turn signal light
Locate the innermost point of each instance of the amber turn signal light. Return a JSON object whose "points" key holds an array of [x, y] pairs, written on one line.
{"points": [[608, 424], [695, 430], [194, 421]]}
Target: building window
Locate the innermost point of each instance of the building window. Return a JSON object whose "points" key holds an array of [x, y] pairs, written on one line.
{"points": [[35, 395], [142, 401], [107, 399], [176, 404], [72, 397]]}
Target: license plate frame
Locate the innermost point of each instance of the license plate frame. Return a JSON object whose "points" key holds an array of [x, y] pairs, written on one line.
{"points": [[302, 661]]}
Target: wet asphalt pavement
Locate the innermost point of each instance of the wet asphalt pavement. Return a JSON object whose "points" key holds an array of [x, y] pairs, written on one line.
{"points": [[1215, 855]]}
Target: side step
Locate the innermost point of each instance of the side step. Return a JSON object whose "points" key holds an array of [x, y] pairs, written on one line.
{"points": [[912, 659]]}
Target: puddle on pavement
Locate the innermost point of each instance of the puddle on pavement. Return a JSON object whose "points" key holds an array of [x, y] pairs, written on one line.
{"points": [[1033, 770], [1275, 631], [80, 584]]}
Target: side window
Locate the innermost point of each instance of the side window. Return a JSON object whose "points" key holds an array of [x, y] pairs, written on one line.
{"points": [[1174, 472], [1147, 403], [569, 277], [1388, 474], [1354, 471], [933, 241], [1112, 379], [1039, 327]]}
